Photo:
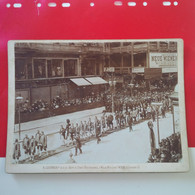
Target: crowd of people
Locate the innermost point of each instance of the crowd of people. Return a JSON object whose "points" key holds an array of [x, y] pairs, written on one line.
{"points": [[60, 102], [57, 102], [31, 146], [140, 106], [129, 109], [73, 134], [169, 150]]}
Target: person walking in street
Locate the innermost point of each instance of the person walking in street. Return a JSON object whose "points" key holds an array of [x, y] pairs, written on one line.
{"points": [[63, 133], [85, 129], [68, 125], [78, 144], [17, 152], [97, 130], [37, 141], [26, 144], [32, 148], [72, 132], [103, 123], [130, 122], [90, 127], [43, 143], [82, 129]]}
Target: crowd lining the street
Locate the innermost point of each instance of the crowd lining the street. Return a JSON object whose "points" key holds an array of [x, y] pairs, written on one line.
{"points": [[57, 102], [169, 150]]}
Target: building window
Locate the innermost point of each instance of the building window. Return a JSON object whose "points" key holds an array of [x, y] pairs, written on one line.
{"points": [[70, 67], [29, 70], [39, 68], [127, 60], [20, 69], [115, 44], [55, 68], [115, 60], [140, 60], [88, 67]]}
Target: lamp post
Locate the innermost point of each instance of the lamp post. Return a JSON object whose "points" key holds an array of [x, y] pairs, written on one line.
{"points": [[174, 105], [112, 84], [157, 106], [19, 100]]}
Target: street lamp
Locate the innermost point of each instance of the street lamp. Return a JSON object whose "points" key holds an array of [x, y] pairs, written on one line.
{"points": [[19, 100], [174, 105], [157, 105], [112, 84]]}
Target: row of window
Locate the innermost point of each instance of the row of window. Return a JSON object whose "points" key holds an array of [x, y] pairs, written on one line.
{"points": [[51, 68]]}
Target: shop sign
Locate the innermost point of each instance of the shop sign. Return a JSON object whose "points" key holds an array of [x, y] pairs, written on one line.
{"points": [[138, 70], [109, 69], [162, 60]]}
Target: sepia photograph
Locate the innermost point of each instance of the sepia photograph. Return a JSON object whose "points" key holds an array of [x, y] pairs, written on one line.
{"points": [[96, 106]]}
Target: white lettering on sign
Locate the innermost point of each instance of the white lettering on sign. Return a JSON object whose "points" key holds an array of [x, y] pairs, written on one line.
{"points": [[163, 60], [109, 69], [138, 70]]}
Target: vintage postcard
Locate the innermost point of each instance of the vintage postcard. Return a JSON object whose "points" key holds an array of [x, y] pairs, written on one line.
{"points": [[96, 106]]}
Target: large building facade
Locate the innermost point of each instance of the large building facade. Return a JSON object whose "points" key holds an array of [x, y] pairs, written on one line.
{"points": [[78, 69]]}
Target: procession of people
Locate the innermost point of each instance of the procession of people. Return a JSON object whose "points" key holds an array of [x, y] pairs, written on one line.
{"points": [[31, 146], [129, 109]]}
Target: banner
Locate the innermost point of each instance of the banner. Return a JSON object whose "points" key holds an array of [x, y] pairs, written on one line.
{"points": [[163, 60]]}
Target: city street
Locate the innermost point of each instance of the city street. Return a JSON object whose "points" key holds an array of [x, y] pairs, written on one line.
{"points": [[119, 147], [52, 124]]}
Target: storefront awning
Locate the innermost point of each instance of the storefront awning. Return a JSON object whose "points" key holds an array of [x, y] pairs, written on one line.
{"points": [[96, 80], [80, 82]]}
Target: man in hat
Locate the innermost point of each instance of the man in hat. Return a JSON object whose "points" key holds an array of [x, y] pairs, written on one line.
{"points": [[97, 130], [90, 126], [81, 129], [32, 148], [37, 141], [63, 133], [43, 142], [67, 127], [72, 131], [85, 129], [130, 122], [26, 143], [17, 152], [78, 144], [77, 129], [103, 123]]}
